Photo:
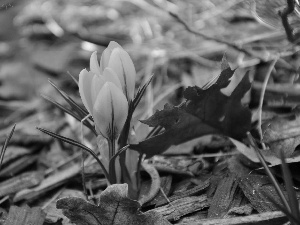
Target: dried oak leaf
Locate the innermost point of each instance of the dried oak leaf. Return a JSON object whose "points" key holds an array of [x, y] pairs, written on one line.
{"points": [[282, 134], [114, 208], [205, 111]]}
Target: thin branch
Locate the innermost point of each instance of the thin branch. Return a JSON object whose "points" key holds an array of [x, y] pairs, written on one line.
{"points": [[284, 19], [232, 45]]}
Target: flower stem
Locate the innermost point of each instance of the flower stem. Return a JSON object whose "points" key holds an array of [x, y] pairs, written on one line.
{"points": [[82, 174], [112, 168]]}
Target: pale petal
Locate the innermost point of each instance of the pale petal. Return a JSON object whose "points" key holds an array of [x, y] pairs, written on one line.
{"points": [[97, 84], [110, 110], [116, 64], [112, 45], [104, 59], [130, 73], [111, 76], [85, 82], [122, 64], [106, 54], [94, 64]]}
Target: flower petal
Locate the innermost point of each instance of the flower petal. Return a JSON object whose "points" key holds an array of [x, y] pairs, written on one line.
{"points": [[110, 110], [94, 64], [84, 83], [112, 45], [111, 76], [106, 54], [96, 85], [122, 64]]}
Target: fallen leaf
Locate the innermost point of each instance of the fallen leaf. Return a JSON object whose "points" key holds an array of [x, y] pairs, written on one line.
{"points": [[205, 111], [256, 189], [282, 134], [54, 214], [114, 208], [269, 156]]}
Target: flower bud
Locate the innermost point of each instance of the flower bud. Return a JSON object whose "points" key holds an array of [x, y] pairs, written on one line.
{"points": [[116, 58], [122, 64], [85, 83], [107, 88], [110, 111], [96, 86], [94, 64], [106, 54]]}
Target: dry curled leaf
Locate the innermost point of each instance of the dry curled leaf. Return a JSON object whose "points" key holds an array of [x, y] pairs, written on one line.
{"points": [[205, 111], [114, 208]]}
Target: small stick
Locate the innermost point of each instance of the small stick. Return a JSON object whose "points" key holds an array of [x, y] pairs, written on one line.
{"points": [[284, 19], [261, 100], [169, 202], [232, 45]]}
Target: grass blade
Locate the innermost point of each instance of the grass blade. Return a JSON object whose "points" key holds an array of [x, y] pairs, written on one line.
{"points": [[68, 111], [294, 205], [141, 92], [81, 111], [75, 143], [73, 78], [289, 215], [6, 144], [269, 173]]}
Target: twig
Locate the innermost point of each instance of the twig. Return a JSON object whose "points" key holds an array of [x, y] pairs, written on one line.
{"points": [[170, 203], [262, 95], [284, 19], [54, 197], [232, 45]]}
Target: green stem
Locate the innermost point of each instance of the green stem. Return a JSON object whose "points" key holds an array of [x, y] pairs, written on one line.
{"points": [[139, 173], [112, 168], [82, 175], [123, 139]]}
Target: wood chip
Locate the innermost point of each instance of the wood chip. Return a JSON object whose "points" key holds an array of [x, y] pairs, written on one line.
{"points": [[18, 165], [49, 183], [25, 216], [269, 218], [183, 206], [223, 197], [20, 182], [187, 193], [256, 188]]}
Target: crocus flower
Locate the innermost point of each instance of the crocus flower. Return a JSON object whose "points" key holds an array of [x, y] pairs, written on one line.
{"points": [[107, 88], [116, 58], [110, 110]]}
